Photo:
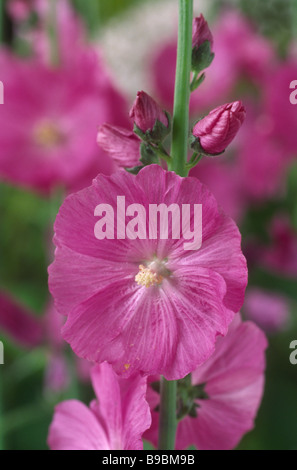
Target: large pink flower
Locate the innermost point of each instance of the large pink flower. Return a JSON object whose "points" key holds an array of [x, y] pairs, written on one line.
{"points": [[115, 421], [227, 392], [146, 304]]}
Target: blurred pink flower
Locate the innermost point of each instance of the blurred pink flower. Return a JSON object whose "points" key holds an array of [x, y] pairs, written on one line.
{"points": [[19, 323], [50, 118], [281, 110], [262, 161], [232, 380], [252, 55], [281, 255], [115, 421], [128, 298], [223, 179], [20, 9], [57, 377], [268, 310], [217, 130]]}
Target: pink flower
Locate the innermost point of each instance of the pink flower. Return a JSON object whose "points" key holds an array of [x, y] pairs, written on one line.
{"points": [[57, 376], [20, 9], [122, 145], [146, 112], [115, 421], [170, 326], [229, 388], [48, 139], [281, 255], [268, 310], [223, 179], [19, 323], [201, 32], [217, 130], [262, 162], [281, 110]]}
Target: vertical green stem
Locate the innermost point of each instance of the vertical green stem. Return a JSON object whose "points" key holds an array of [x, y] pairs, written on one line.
{"points": [[180, 128], [167, 425], [179, 150]]}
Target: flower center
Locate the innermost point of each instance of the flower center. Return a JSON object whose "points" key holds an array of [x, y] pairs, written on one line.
{"points": [[152, 274], [47, 134]]}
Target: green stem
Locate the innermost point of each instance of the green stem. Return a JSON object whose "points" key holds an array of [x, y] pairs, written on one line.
{"points": [[168, 422], [180, 127], [179, 151]]}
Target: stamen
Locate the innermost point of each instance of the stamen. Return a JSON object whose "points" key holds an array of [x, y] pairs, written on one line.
{"points": [[147, 278], [47, 134]]}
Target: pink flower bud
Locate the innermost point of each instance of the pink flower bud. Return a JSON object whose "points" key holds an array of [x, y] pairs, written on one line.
{"points": [[145, 112], [122, 145], [217, 130], [201, 32]]}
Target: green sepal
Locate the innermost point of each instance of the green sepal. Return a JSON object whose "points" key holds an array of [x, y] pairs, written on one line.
{"points": [[202, 57], [157, 134]]}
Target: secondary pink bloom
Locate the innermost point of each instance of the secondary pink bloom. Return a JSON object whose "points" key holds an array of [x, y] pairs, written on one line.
{"points": [[71, 34], [281, 255], [201, 32], [217, 130], [223, 179], [115, 421], [146, 112], [19, 323], [252, 55], [48, 139], [122, 145], [231, 387], [20, 9], [146, 304], [57, 377], [268, 310], [282, 111], [262, 161]]}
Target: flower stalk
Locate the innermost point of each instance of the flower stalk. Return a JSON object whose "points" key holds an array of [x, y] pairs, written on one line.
{"points": [[179, 151], [180, 124]]}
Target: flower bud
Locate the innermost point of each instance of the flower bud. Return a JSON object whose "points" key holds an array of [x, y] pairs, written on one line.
{"points": [[202, 43], [216, 131], [201, 32], [151, 122], [122, 145]]}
